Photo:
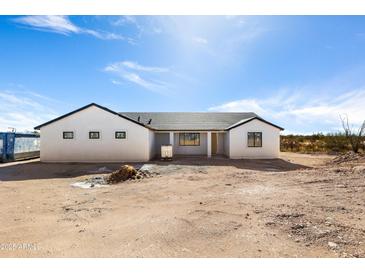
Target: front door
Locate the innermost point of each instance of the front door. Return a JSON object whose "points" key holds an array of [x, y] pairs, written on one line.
{"points": [[214, 143]]}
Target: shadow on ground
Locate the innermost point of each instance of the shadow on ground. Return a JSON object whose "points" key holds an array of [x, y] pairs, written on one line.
{"points": [[38, 170], [269, 165]]}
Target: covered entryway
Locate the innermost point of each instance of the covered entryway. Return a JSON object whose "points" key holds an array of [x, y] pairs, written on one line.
{"points": [[217, 143], [191, 142], [160, 140]]}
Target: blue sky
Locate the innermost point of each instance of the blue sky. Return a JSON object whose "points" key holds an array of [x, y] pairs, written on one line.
{"points": [[300, 72]]}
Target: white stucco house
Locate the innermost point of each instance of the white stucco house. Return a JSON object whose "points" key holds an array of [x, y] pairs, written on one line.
{"points": [[95, 133]]}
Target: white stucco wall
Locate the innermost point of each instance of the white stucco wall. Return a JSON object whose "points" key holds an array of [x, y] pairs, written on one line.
{"points": [[136, 147], [238, 147], [191, 150]]}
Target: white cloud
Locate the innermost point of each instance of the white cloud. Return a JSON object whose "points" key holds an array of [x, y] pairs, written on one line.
{"points": [[299, 112], [249, 105], [127, 20], [135, 78], [157, 30], [200, 40], [63, 25], [115, 82], [144, 25], [55, 23], [239, 20], [143, 76], [136, 66], [24, 110]]}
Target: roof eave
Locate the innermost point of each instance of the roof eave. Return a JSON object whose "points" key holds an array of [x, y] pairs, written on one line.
{"points": [[85, 107], [250, 119], [189, 129]]}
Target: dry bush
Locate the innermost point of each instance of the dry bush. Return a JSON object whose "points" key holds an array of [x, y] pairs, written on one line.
{"points": [[354, 137], [348, 140]]}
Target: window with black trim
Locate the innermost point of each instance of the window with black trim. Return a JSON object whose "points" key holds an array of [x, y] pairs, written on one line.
{"points": [[189, 139], [254, 139], [120, 135], [68, 135], [94, 134]]}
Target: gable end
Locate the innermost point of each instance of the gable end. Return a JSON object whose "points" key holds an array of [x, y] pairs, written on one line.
{"points": [[249, 120], [85, 107]]}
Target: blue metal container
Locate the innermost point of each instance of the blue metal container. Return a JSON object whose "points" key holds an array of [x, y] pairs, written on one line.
{"points": [[18, 146]]}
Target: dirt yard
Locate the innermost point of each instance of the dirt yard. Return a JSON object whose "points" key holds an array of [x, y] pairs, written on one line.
{"points": [[296, 206]]}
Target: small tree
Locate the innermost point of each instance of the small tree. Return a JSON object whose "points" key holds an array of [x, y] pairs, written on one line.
{"points": [[355, 138]]}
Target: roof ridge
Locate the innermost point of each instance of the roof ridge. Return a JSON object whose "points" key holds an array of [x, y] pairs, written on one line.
{"points": [[205, 112]]}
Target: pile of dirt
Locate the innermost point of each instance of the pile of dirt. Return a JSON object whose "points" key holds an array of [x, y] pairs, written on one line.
{"points": [[346, 241], [126, 172], [349, 156]]}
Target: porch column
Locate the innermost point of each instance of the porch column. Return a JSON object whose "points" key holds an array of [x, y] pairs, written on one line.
{"points": [[171, 139], [209, 144]]}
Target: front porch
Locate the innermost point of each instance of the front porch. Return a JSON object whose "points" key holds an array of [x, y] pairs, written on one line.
{"points": [[193, 143]]}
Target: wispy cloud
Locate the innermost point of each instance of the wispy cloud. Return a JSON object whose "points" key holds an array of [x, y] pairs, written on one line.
{"points": [[138, 67], [148, 77], [143, 25], [52, 23], [128, 20], [200, 40], [299, 113], [24, 110], [215, 35], [63, 25]]}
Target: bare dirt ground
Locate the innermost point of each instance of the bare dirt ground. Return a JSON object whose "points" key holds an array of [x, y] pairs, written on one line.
{"points": [[296, 206]]}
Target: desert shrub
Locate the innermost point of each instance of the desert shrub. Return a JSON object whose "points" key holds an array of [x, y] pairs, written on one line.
{"points": [[337, 142], [318, 142], [355, 137]]}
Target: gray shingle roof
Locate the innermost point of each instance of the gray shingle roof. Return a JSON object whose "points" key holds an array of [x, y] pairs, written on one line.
{"points": [[178, 120], [190, 120]]}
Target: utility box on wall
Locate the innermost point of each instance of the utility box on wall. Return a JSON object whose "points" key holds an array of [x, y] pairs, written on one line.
{"points": [[166, 152]]}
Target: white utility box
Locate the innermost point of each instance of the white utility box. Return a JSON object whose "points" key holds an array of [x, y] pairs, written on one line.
{"points": [[166, 152]]}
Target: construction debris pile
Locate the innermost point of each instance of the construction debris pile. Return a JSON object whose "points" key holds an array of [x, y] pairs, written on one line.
{"points": [[127, 172], [124, 173], [349, 156], [95, 181]]}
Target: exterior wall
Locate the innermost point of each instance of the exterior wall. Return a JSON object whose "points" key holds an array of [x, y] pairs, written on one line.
{"points": [[191, 150], [238, 147], [226, 143], [136, 147]]}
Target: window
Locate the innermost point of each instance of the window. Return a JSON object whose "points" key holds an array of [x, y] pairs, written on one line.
{"points": [[254, 139], [94, 135], [189, 139], [68, 135], [120, 135]]}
